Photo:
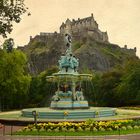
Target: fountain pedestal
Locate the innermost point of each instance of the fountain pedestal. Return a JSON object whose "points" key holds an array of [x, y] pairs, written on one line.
{"points": [[69, 105]]}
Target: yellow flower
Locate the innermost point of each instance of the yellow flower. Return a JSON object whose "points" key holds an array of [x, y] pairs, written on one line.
{"points": [[66, 113]]}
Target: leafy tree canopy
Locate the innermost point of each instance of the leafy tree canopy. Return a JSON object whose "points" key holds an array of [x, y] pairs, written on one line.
{"points": [[10, 11], [14, 81]]}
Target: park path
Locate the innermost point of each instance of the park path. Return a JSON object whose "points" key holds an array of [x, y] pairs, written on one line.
{"points": [[122, 137]]}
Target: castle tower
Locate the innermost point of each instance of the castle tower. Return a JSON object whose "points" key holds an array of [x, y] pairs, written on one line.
{"points": [[62, 28], [68, 26]]}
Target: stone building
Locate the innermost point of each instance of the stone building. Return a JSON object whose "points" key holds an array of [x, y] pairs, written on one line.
{"points": [[84, 26]]}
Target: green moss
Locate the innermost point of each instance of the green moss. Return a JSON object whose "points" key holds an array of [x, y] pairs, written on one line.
{"points": [[76, 45]]}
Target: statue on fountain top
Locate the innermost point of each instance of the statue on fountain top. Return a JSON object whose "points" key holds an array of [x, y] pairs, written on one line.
{"points": [[68, 44], [68, 63]]}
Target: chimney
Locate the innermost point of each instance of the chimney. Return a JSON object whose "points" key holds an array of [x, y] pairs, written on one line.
{"points": [[125, 46], [91, 14], [31, 38], [135, 49]]}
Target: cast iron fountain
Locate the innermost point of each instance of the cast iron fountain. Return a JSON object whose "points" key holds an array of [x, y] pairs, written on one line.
{"points": [[68, 101]]}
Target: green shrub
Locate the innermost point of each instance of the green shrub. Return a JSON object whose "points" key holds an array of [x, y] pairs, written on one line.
{"points": [[109, 129], [28, 130], [20, 130], [49, 130], [35, 130], [56, 130], [101, 129], [136, 127], [87, 129], [42, 129], [94, 129], [129, 127], [71, 130], [123, 128], [79, 129], [64, 129]]}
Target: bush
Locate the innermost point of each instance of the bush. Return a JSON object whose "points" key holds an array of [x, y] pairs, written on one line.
{"points": [[56, 130], [136, 127], [64, 129], [35, 130], [123, 128], [87, 129], [71, 130], [101, 129], [28, 130], [42, 129], [79, 129], [109, 129], [20, 130], [129, 127], [49, 130], [94, 129]]}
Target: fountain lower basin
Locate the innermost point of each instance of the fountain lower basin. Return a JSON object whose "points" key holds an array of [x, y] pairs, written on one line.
{"points": [[48, 113]]}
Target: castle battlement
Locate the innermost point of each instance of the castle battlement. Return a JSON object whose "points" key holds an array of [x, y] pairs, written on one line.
{"points": [[84, 26]]}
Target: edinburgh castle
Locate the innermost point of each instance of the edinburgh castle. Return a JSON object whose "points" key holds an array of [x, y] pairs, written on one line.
{"points": [[78, 29], [85, 26]]}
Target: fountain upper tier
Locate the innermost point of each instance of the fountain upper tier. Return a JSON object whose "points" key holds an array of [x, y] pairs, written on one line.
{"points": [[75, 77]]}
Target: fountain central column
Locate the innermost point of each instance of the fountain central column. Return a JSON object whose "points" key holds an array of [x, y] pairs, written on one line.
{"points": [[73, 91]]}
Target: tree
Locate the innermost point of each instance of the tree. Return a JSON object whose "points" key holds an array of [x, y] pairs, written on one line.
{"points": [[10, 11], [14, 81], [109, 82], [41, 91], [120, 86], [129, 89]]}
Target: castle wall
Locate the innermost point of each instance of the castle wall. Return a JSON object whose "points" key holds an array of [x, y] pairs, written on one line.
{"points": [[74, 29], [105, 36], [94, 25], [62, 31]]}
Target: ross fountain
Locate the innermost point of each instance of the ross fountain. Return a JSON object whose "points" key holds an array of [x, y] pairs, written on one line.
{"points": [[68, 101], [69, 94]]}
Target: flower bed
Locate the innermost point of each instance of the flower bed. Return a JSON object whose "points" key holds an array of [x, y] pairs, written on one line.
{"points": [[89, 125]]}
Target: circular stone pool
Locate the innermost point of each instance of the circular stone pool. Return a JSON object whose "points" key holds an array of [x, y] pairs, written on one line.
{"points": [[47, 113]]}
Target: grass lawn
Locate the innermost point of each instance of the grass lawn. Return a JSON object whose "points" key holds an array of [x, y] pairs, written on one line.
{"points": [[84, 133]]}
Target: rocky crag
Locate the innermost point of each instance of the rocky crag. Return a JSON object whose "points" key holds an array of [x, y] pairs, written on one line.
{"points": [[93, 50]]}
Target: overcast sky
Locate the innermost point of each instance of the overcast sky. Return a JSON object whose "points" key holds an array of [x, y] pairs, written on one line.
{"points": [[120, 18]]}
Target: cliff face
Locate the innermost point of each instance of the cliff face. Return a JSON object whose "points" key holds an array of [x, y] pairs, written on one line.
{"points": [[45, 51]]}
